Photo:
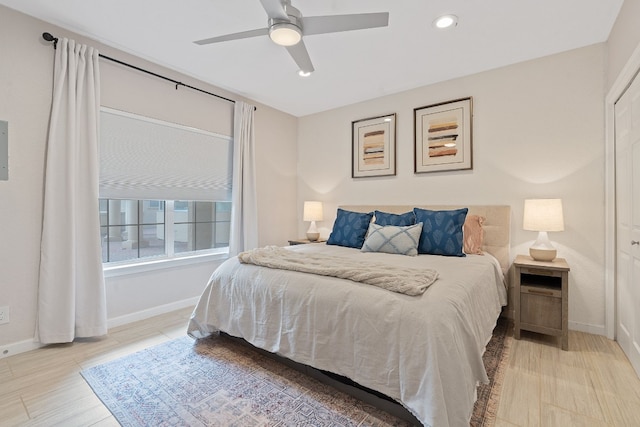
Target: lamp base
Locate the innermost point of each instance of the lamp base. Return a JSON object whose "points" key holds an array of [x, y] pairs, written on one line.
{"points": [[312, 233], [546, 255]]}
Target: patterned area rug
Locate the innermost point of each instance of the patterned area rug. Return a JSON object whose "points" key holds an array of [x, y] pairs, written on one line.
{"points": [[495, 358], [221, 382]]}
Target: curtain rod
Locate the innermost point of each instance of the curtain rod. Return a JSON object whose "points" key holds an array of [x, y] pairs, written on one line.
{"points": [[48, 37]]}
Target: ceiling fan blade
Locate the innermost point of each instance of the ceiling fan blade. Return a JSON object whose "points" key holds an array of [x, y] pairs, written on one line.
{"points": [[234, 36], [299, 54], [336, 23], [274, 9]]}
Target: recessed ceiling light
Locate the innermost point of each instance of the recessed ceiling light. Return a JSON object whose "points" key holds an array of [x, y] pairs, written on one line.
{"points": [[446, 21], [303, 73]]}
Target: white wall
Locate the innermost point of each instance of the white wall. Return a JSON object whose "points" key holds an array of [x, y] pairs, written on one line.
{"points": [[26, 68], [537, 132], [624, 38]]}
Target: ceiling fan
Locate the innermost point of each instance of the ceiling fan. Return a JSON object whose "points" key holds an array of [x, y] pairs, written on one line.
{"points": [[287, 26]]}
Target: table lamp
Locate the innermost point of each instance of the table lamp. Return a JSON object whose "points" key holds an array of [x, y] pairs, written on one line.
{"points": [[543, 215], [312, 212]]}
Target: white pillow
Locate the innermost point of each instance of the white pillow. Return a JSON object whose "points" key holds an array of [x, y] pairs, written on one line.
{"points": [[393, 239]]}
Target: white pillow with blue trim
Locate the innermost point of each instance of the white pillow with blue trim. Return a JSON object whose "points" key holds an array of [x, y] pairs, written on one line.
{"points": [[392, 239]]}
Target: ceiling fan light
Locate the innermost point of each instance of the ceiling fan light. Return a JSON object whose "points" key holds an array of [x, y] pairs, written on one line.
{"points": [[285, 34], [303, 73], [445, 21]]}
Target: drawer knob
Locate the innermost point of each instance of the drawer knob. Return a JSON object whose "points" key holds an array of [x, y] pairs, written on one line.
{"points": [[635, 242]]}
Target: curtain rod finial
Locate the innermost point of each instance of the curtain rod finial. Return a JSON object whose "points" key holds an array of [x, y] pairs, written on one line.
{"points": [[48, 37]]}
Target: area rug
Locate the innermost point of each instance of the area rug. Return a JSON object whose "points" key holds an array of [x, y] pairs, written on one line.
{"points": [[221, 382], [495, 358]]}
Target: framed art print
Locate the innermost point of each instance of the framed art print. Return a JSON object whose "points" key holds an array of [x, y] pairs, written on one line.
{"points": [[374, 146], [442, 135]]}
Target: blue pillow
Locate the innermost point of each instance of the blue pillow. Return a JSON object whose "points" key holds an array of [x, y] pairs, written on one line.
{"points": [[350, 229], [400, 220], [441, 231]]}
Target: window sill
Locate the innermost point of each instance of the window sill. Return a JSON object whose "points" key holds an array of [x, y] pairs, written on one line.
{"points": [[158, 264]]}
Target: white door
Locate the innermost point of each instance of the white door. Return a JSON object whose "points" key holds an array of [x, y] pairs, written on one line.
{"points": [[627, 131]]}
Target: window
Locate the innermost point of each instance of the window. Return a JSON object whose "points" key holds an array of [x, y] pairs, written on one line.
{"points": [[164, 189], [201, 225], [132, 229], [135, 229]]}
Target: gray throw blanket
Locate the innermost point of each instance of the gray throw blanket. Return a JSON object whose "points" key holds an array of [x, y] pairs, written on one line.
{"points": [[409, 281]]}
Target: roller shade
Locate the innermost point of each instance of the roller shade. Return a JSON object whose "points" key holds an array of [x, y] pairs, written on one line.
{"points": [[144, 158]]}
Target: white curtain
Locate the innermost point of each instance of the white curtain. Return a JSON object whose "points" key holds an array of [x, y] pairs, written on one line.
{"points": [[71, 293], [244, 215]]}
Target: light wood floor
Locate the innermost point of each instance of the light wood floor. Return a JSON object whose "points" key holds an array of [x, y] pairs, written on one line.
{"points": [[591, 385], [44, 387]]}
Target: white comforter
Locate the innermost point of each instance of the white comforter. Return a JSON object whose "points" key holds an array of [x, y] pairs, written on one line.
{"points": [[424, 351]]}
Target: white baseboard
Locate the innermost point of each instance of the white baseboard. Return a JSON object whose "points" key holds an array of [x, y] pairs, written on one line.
{"points": [[590, 329], [27, 345], [150, 312], [18, 347]]}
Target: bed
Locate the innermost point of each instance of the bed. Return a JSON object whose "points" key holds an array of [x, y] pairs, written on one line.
{"points": [[425, 351]]}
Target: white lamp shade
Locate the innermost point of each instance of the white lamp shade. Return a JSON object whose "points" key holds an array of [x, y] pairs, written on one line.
{"points": [[543, 215], [312, 211]]}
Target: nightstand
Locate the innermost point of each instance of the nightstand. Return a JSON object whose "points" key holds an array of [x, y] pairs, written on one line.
{"points": [[304, 241], [541, 299]]}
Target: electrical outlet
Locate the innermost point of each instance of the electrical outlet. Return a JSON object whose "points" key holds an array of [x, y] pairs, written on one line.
{"points": [[4, 314]]}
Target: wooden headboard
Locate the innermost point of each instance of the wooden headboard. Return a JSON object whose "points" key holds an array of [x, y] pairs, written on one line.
{"points": [[497, 225]]}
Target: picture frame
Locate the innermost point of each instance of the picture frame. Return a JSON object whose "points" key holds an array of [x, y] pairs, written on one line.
{"points": [[373, 146], [443, 136]]}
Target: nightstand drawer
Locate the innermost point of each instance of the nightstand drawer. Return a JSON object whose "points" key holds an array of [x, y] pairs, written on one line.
{"points": [[540, 272], [541, 310], [545, 291]]}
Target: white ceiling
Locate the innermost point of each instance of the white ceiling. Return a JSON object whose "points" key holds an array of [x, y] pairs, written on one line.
{"points": [[350, 66]]}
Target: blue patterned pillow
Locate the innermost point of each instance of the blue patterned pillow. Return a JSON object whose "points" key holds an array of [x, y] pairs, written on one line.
{"points": [[385, 218], [393, 239], [441, 231], [350, 229]]}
